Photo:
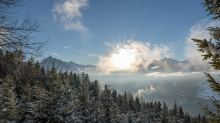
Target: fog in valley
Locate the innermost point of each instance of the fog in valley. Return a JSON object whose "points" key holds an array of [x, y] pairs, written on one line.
{"points": [[188, 89]]}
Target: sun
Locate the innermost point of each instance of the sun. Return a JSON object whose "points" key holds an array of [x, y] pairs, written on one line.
{"points": [[123, 59]]}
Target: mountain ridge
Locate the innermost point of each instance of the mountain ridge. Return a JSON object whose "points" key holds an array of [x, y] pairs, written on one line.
{"points": [[163, 65]]}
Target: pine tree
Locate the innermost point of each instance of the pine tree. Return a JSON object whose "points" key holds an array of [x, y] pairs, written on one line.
{"points": [[8, 106], [112, 113], [199, 118], [56, 105], [28, 102], [125, 103], [164, 113], [143, 117], [84, 109], [187, 118], [131, 116], [71, 79], [213, 53], [97, 110], [97, 90], [203, 120], [114, 95], [131, 102], [181, 113], [159, 106], [175, 111], [137, 104]]}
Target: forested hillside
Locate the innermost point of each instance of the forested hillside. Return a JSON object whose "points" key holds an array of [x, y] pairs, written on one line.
{"points": [[31, 93]]}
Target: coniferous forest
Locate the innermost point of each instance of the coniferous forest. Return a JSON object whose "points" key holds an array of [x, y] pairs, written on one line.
{"points": [[30, 93]]}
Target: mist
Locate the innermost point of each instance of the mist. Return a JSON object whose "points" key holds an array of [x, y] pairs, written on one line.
{"points": [[186, 88]]}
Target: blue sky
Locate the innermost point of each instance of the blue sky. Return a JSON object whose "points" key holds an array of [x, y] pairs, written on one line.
{"points": [[92, 31]]}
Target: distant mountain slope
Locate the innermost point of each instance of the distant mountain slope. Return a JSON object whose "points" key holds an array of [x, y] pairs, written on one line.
{"points": [[171, 65], [62, 65], [163, 65]]}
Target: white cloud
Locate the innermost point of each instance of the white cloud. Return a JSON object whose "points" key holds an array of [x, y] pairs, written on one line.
{"points": [[68, 12], [160, 74], [198, 31], [150, 90], [67, 47], [139, 50], [155, 67], [55, 54]]}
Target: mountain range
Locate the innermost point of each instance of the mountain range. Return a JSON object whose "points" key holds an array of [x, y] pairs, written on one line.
{"points": [[164, 65], [49, 62]]}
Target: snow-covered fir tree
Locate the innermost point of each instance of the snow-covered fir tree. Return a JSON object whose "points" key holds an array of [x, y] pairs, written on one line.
{"points": [[164, 113], [55, 105], [111, 110], [8, 101], [84, 107], [131, 117]]}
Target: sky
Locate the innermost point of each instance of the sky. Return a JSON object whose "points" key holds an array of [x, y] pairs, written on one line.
{"points": [[97, 31]]}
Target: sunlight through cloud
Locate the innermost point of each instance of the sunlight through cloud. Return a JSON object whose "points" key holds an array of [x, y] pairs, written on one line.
{"points": [[128, 56]]}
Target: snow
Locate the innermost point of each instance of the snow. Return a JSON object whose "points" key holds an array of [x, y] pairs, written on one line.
{"points": [[174, 84], [204, 91]]}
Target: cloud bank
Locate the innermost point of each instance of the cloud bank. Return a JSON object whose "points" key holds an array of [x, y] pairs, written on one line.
{"points": [[160, 74], [139, 50], [68, 13]]}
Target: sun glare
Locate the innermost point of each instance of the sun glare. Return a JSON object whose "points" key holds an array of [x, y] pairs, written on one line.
{"points": [[123, 58]]}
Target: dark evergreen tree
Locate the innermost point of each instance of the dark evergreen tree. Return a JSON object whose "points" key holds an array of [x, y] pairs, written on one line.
{"points": [[148, 105], [8, 101], [164, 113], [131, 116], [158, 107], [131, 102], [97, 90], [56, 105], [175, 111], [199, 118], [181, 113], [151, 105], [84, 109], [111, 110], [203, 120], [125, 103], [114, 95], [137, 104]]}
